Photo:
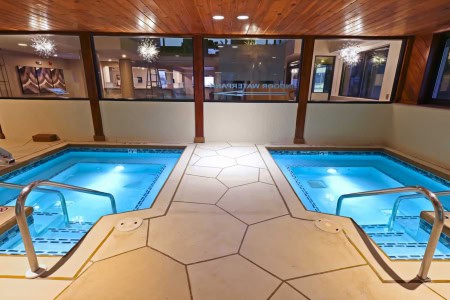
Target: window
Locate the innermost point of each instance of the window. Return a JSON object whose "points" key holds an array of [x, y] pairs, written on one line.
{"points": [[354, 70], [322, 77], [251, 69], [128, 69], [55, 73], [441, 89], [365, 78]]}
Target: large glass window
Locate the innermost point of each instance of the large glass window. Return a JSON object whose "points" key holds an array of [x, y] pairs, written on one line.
{"points": [[355, 70], [441, 89], [250, 69], [364, 79], [141, 67], [41, 66], [322, 77]]}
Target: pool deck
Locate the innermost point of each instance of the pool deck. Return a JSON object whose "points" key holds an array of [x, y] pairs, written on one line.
{"points": [[232, 229]]}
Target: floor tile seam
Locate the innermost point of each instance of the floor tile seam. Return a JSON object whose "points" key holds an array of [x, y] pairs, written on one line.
{"points": [[118, 254], [300, 292], [267, 271], [166, 255], [227, 212], [210, 259], [189, 282], [275, 291]]}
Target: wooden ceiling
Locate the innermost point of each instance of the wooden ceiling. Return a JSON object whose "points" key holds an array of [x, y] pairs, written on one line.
{"points": [[268, 17]]}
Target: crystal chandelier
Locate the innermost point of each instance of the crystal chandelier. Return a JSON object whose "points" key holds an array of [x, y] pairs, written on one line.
{"points": [[378, 59], [43, 46], [350, 53], [148, 50]]}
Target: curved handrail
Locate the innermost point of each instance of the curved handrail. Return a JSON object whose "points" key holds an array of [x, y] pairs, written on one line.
{"points": [[35, 269], [435, 231], [405, 197], [58, 193]]}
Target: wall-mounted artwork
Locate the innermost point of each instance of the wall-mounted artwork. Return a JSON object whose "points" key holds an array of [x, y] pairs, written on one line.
{"points": [[58, 79], [28, 80], [44, 77]]}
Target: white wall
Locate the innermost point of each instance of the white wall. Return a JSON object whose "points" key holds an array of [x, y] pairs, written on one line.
{"points": [[69, 119], [423, 132], [165, 122], [347, 124], [250, 122]]}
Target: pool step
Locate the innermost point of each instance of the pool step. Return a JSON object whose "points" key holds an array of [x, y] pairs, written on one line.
{"points": [[44, 220], [41, 246], [60, 240]]}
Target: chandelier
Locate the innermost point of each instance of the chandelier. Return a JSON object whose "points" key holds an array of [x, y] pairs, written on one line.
{"points": [[378, 59], [43, 46], [148, 50], [350, 53]]}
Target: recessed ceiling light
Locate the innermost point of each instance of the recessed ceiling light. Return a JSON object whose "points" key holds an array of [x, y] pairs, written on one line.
{"points": [[242, 17], [109, 59], [274, 57], [22, 45], [234, 47], [218, 17], [124, 56], [55, 55], [220, 46]]}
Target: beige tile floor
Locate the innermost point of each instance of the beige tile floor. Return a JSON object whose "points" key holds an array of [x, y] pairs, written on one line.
{"points": [[228, 234]]}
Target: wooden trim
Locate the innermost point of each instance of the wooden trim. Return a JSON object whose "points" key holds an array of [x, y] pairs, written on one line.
{"points": [[305, 78], [409, 42], [199, 93], [87, 53], [2, 135]]}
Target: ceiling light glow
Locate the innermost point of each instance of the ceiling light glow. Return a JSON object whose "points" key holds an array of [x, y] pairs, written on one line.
{"points": [[22, 45], [242, 17], [350, 53], [218, 17]]}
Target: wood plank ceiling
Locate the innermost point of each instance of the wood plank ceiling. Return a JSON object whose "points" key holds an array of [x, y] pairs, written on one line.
{"points": [[268, 17]]}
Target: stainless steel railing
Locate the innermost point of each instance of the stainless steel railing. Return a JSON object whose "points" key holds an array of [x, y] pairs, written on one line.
{"points": [[435, 231], [405, 197], [58, 193], [35, 269]]}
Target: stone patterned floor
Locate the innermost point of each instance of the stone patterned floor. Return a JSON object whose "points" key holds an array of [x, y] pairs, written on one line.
{"points": [[227, 235]]}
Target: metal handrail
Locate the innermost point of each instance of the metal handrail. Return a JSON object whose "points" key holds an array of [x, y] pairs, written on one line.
{"points": [[435, 231], [58, 193], [35, 269], [404, 197]]}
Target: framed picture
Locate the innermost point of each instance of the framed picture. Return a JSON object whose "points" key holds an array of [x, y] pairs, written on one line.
{"points": [[28, 80], [58, 79], [44, 77]]}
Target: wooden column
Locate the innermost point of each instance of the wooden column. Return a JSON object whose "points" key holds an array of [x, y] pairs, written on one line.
{"points": [[404, 69], [2, 135], [89, 71], [415, 70], [305, 78], [199, 94]]}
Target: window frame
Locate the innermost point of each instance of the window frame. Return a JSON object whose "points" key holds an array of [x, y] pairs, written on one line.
{"points": [[261, 37], [51, 98]]}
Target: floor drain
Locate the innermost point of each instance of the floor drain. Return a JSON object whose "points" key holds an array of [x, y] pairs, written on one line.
{"points": [[128, 224], [327, 225]]}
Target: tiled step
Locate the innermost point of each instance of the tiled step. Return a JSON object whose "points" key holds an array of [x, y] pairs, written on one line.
{"points": [[44, 220], [52, 241], [42, 245]]}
